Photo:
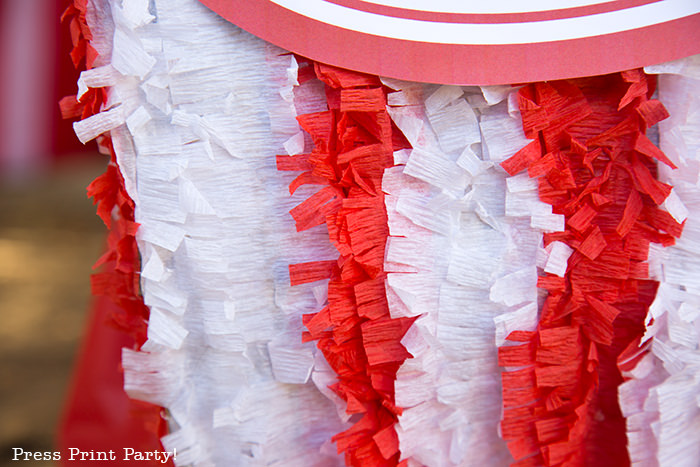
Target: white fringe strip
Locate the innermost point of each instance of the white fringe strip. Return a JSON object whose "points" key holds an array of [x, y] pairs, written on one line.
{"points": [[463, 256], [661, 400], [198, 109]]}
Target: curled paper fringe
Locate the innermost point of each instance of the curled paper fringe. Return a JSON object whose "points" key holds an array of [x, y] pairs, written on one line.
{"points": [[353, 141], [462, 260], [660, 395], [594, 165]]}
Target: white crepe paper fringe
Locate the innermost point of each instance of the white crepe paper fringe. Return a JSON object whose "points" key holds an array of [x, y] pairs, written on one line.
{"points": [[306, 246], [462, 256], [197, 111], [661, 398]]}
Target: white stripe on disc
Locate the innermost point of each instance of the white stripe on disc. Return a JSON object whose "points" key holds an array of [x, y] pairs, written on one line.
{"points": [[492, 34]]}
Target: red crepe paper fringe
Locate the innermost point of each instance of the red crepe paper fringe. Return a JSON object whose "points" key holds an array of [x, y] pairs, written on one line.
{"points": [[119, 276], [83, 56], [593, 164], [353, 144]]}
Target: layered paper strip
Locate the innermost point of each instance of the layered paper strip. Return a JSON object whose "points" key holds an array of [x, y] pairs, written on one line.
{"points": [[462, 259], [593, 164], [96, 397], [197, 110], [661, 395], [334, 267], [353, 143]]}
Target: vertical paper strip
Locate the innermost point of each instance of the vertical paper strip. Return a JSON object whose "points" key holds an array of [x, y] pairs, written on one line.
{"points": [[118, 278], [593, 164], [660, 397], [195, 150], [462, 259], [353, 142]]}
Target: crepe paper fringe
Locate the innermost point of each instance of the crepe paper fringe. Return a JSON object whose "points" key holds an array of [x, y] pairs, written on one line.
{"points": [[353, 142], [462, 259], [193, 136], [118, 278], [660, 397], [84, 56], [593, 164]]}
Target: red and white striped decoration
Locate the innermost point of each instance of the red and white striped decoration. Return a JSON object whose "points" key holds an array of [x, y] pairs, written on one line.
{"points": [[338, 268], [454, 42]]}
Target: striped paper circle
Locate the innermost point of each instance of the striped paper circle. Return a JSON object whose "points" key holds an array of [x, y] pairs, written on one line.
{"points": [[494, 42]]}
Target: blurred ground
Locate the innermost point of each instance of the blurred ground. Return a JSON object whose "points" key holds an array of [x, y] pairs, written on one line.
{"points": [[49, 239]]}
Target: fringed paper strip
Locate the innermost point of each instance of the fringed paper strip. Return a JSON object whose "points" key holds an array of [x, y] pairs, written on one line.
{"points": [[353, 142], [661, 400], [593, 164], [461, 258], [194, 136], [118, 276]]}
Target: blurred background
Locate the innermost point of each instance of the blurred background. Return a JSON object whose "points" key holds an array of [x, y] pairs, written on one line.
{"points": [[49, 233]]}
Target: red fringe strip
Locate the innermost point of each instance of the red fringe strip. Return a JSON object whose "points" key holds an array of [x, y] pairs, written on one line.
{"points": [[595, 165], [82, 54], [119, 276], [353, 144]]}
